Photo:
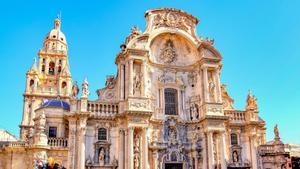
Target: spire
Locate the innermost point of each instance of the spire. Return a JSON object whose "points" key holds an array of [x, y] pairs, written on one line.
{"points": [[33, 68]]}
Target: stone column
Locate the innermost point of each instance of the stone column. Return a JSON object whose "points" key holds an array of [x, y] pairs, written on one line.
{"points": [[218, 86], [122, 81], [82, 131], [144, 82], [205, 153], [210, 146], [205, 84], [253, 151], [130, 148], [155, 158], [122, 149], [130, 77], [145, 149], [72, 143], [223, 153]]}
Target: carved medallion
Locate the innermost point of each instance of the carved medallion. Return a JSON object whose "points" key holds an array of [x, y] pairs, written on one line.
{"points": [[168, 53]]}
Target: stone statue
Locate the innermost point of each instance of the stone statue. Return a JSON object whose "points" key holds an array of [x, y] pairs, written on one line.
{"points": [[212, 87], [85, 89], [135, 30], [251, 102], [172, 136], [43, 119], [42, 122], [101, 157], [276, 131], [137, 83], [235, 157], [75, 90], [194, 112]]}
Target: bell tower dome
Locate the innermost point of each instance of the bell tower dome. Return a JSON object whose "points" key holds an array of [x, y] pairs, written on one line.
{"points": [[55, 40]]}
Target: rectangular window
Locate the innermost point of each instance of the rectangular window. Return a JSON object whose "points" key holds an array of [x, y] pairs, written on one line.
{"points": [[102, 134], [52, 131], [171, 101]]}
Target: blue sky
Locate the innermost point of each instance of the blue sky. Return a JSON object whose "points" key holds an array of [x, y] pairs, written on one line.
{"points": [[259, 42]]}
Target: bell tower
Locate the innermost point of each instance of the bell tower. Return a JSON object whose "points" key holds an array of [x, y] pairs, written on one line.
{"points": [[48, 78]]}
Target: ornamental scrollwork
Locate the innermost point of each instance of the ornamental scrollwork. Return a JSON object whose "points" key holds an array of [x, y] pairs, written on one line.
{"points": [[172, 19]]}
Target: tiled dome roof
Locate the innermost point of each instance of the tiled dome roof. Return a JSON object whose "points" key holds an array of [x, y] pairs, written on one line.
{"points": [[56, 104]]}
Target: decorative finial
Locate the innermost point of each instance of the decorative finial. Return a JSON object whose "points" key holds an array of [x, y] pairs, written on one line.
{"points": [[59, 15], [57, 21], [249, 92], [276, 132]]}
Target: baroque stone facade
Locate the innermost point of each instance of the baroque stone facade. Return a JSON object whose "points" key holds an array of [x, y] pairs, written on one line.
{"points": [[165, 107]]}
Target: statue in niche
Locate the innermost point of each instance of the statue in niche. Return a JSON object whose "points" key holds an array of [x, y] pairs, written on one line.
{"points": [[212, 87], [194, 111], [172, 136], [137, 83], [85, 89], [101, 157], [75, 90], [235, 157]]}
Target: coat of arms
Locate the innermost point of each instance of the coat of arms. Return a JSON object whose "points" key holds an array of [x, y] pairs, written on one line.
{"points": [[168, 53]]}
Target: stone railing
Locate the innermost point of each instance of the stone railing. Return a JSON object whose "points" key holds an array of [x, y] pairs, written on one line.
{"points": [[17, 144], [40, 90], [236, 116], [57, 142], [103, 109], [51, 51], [264, 149]]}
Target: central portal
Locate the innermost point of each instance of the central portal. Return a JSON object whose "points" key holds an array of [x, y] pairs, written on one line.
{"points": [[173, 165]]}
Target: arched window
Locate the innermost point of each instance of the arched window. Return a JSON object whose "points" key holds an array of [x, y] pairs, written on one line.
{"points": [[59, 69], [102, 134], [63, 85], [51, 68], [234, 139], [31, 83], [43, 68], [171, 101]]}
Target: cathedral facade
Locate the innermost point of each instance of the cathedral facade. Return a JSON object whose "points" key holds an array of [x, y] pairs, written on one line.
{"points": [[164, 109]]}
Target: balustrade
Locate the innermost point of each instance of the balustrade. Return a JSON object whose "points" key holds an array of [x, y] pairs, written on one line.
{"points": [[57, 142], [236, 116], [103, 109]]}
